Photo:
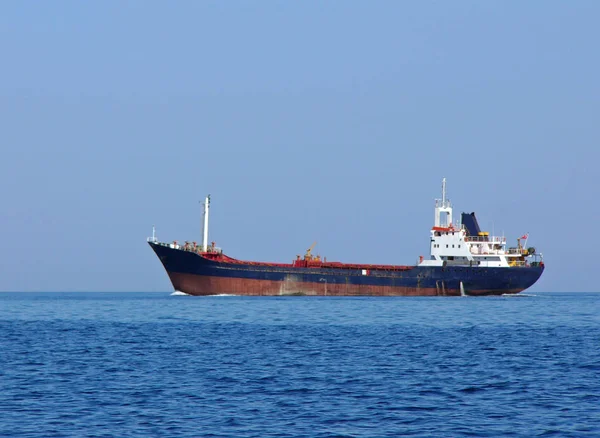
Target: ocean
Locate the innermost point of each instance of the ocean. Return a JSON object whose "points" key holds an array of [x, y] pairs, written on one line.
{"points": [[154, 364]]}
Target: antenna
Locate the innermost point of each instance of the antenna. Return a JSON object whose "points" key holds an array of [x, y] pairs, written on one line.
{"points": [[153, 238], [444, 192]]}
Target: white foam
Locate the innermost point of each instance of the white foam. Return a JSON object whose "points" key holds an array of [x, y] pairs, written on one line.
{"points": [[519, 295], [181, 294], [178, 292]]}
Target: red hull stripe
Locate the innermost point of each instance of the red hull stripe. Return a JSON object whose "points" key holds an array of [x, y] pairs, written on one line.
{"points": [[207, 285]]}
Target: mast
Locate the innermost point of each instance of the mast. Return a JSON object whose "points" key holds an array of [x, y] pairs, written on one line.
{"points": [[443, 207], [205, 229], [444, 191], [153, 238]]}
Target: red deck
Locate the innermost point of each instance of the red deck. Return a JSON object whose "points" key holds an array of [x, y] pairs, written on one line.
{"points": [[220, 257]]}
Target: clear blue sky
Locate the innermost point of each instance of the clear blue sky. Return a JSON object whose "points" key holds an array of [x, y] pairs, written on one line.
{"points": [[326, 121]]}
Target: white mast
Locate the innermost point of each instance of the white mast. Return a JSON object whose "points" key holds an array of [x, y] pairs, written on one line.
{"points": [[153, 238], [443, 206], [205, 237], [444, 191]]}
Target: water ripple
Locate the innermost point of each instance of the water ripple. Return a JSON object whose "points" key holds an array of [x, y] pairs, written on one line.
{"points": [[151, 365]]}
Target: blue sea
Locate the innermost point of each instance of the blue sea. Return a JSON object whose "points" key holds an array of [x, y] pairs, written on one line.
{"points": [[152, 364]]}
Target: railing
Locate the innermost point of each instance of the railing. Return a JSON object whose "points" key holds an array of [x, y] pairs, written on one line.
{"points": [[494, 252], [190, 247], [519, 251], [443, 204], [488, 239]]}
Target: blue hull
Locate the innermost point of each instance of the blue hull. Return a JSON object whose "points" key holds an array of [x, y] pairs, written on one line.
{"points": [[196, 275]]}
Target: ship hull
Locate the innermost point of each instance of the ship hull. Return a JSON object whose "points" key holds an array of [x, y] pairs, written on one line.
{"points": [[194, 274]]}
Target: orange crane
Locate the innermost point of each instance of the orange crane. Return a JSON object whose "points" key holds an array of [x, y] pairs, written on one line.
{"points": [[308, 256]]}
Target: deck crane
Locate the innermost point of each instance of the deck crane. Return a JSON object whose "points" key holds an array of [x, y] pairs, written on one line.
{"points": [[308, 256]]}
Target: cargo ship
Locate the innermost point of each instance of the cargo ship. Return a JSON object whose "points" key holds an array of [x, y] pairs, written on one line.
{"points": [[463, 260]]}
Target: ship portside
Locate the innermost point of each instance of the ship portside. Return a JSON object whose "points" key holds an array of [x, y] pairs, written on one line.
{"points": [[196, 274], [463, 260]]}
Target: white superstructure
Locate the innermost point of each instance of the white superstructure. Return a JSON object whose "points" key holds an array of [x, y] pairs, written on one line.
{"points": [[452, 244]]}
